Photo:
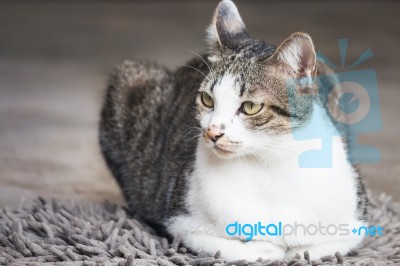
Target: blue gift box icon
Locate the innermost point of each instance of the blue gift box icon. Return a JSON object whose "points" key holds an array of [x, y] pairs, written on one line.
{"points": [[358, 109]]}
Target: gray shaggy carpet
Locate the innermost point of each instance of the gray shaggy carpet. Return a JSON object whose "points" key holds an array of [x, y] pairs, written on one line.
{"points": [[50, 232]]}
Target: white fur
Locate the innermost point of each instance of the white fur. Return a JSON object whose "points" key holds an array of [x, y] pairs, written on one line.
{"points": [[291, 55], [266, 185], [298, 54]]}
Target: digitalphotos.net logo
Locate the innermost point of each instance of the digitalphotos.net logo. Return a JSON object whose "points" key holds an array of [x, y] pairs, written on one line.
{"points": [[351, 99], [248, 231]]}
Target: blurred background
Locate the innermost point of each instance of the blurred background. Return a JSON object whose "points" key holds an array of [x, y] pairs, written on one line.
{"points": [[55, 57]]}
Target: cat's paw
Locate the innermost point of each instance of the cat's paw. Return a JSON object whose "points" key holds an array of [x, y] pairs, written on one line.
{"points": [[252, 251]]}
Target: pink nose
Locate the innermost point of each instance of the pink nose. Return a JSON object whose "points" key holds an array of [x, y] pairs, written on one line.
{"points": [[214, 133]]}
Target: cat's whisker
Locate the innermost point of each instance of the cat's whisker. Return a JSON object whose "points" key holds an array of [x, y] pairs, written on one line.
{"points": [[205, 76], [197, 89], [267, 150], [273, 146], [194, 130], [252, 156], [243, 156], [275, 151], [196, 54], [279, 145]]}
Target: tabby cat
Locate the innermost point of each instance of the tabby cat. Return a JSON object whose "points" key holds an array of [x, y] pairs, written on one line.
{"points": [[211, 144]]}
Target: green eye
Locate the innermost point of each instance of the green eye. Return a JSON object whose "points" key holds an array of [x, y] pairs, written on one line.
{"points": [[250, 108], [207, 100]]}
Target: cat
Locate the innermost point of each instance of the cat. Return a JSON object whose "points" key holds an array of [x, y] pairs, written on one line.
{"points": [[211, 144]]}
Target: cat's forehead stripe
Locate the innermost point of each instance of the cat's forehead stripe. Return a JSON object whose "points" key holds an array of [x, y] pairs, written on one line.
{"points": [[217, 80], [228, 79], [213, 84], [242, 88]]}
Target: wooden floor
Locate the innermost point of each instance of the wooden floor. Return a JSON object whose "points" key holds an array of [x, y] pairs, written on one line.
{"points": [[55, 56]]}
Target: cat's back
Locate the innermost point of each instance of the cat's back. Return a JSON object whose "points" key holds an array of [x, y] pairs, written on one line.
{"points": [[146, 134]]}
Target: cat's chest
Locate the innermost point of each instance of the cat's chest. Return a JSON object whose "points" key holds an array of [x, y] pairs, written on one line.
{"points": [[240, 190], [252, 192]]}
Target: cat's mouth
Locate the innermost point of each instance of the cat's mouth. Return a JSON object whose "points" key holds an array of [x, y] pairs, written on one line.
{"points": [[223, 147]]}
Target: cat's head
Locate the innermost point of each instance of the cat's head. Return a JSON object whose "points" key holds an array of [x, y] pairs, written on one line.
{"points": [[242, 104]]}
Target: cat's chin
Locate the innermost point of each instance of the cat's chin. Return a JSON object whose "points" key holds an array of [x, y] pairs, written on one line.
{"points": [[223, 153]]}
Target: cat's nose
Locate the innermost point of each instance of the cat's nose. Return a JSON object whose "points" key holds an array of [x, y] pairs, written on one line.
{"points": [[214, 133]]}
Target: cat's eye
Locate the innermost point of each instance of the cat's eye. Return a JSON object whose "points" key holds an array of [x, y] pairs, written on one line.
{"points": [[207, 100], [250, 108]]}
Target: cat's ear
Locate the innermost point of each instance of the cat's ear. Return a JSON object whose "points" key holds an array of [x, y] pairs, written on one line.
{"points": [[227, 28], [296, 55]]}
